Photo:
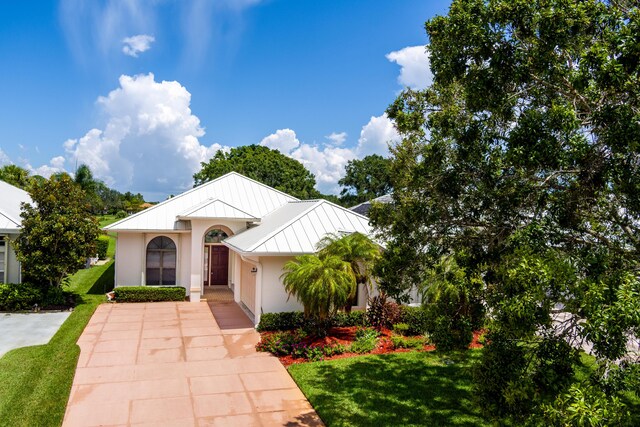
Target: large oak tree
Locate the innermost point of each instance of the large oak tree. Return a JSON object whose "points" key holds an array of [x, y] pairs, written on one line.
{"points": [[523, 160]]}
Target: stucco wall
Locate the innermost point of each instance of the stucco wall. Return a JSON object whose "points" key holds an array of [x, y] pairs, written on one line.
{"points": [[129, 262], [12, 267], [274, 297]]}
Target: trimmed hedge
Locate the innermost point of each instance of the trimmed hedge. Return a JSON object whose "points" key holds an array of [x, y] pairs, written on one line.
{"points": [[19, 296], [102, 244], [150, 293], [291, 320]]}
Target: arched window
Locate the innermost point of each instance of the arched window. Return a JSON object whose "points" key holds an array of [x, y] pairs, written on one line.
{"points": [[161, 261], [215, 235]]}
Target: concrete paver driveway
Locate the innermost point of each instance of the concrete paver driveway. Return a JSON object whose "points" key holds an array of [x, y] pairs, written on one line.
{"points": [[172, 364]]}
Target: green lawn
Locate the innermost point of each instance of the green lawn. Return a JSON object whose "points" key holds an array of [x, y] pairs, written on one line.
{"points": [[35, 381], [405, 389]]}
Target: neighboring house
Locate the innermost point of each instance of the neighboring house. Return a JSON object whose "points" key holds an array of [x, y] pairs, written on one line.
{"points": [[364, 207], [232, 231], [10, 223]]}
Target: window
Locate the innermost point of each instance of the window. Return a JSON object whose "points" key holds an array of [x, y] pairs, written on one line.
{"points": [[215, 235], [161, 261]]}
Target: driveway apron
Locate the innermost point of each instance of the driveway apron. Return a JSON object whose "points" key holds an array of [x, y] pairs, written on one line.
{"points": [[173, 364]]}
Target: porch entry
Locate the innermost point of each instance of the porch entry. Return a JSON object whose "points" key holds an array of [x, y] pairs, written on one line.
{"points": [[216, 259]]}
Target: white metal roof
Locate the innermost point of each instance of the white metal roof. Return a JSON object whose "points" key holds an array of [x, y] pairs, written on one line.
{"points": [[10, 199], [215, 208], [241, 193], [297, 228]]}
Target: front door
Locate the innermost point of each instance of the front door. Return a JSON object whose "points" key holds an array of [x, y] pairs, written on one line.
{"points": [[219, 265]]}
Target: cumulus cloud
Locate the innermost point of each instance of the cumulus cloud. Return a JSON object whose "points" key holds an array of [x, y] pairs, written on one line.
{"points": [[135, 45], [337, 138], [150, 141], [55, 165], [328, 161], [283, 140], [376, 136], [414, 67]]}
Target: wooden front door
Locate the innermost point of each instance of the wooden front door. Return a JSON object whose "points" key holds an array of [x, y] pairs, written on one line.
{"points": [[219, 265]]}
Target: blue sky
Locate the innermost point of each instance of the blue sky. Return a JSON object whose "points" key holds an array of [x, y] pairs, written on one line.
{"points": [[143, 91]]}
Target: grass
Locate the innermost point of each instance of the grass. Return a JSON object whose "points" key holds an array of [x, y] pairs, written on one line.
{"points": [[417, 388], [35, 381]]}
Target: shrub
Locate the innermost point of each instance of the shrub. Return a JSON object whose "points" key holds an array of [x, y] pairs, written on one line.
{"points": [[408, 342], [333, 350], [401, 328], [19, 296], [366, 340], [450, 334], [382, 313], [417, 318], [366, 333], [355, 318], [57, 297], [282, 343], [281, 321], [121, 214], [149, 293], [102, 244]]}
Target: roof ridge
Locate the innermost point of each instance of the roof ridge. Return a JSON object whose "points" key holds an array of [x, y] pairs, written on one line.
{"points": [[199, 187], [283, 226], [210, 201]]}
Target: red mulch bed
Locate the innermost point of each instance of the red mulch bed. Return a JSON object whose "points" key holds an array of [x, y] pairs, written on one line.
{"points": [[346, 335]]}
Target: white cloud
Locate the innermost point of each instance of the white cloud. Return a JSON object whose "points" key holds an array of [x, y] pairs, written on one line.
{"points": [[414, 62], [376, 135], [328, 161], [337, 138], [135, 45], [283, 140], [4, 159], [55, 165], [150, 140]]}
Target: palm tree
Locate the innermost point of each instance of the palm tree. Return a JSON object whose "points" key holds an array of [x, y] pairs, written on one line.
{"points": [[359, 251], [321, 284]]}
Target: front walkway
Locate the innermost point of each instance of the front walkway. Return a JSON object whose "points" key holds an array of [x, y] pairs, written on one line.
{"points": [[172, 364]]}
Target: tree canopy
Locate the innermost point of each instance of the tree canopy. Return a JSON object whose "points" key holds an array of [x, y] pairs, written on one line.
{"points": [[16, 176], [58, 232], [264, 165], [365, 179], [522, 159]]}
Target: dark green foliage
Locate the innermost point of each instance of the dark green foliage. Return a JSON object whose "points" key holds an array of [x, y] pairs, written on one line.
{"points": [[290, 320], [102, 244], [365, 179], [451, 333], [58, 298], [282, 343], [121, 214], [285, 321], [58, 232], [382, 313], [416, 318], [522, 161], [264, 165], [150, 293], [19, 296], [354, 318]]}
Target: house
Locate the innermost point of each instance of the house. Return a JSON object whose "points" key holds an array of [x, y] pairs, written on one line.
{"points": [[231, 232], [364, 207], [10, 223]]}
